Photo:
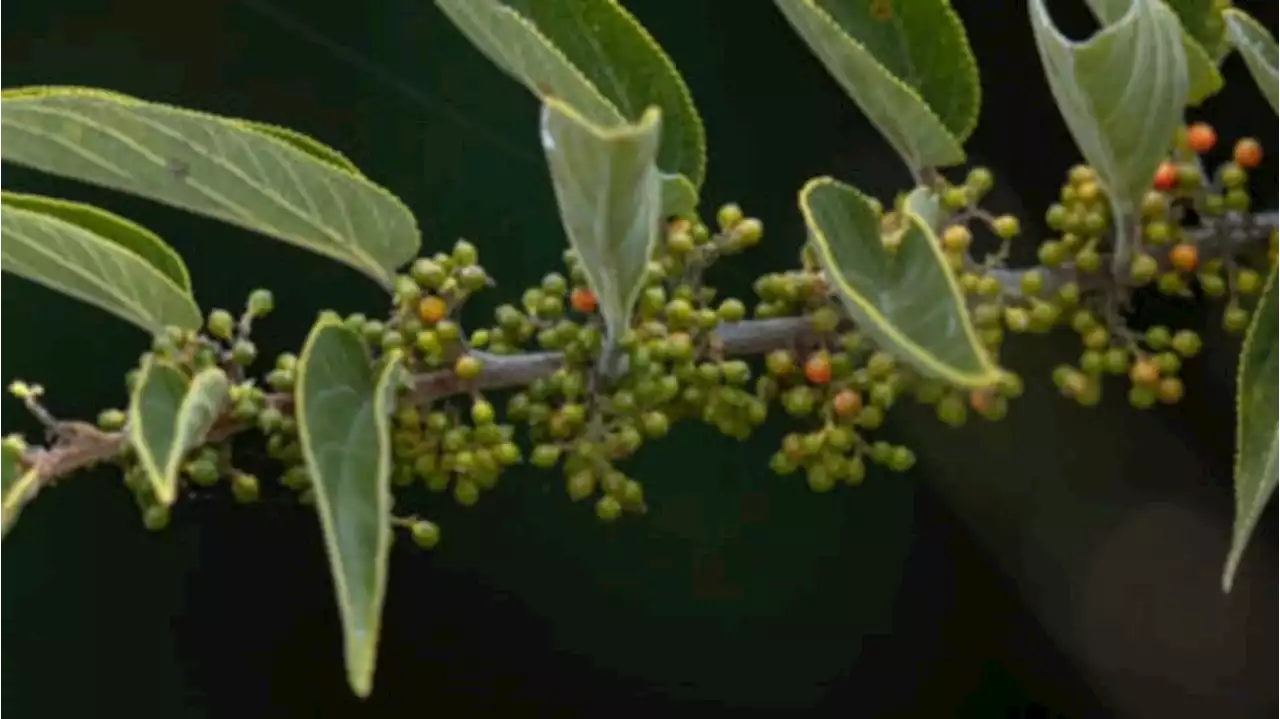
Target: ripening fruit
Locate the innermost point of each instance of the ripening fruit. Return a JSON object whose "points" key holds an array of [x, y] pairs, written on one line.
{"points": [[1247, 153], [1201, 138], [583, 300], [467, 367], [1185, 257], [1005, 226], [846, 403], [956, 238], [432, 309], [817, 369], [1166, 176], [1144, 372]]}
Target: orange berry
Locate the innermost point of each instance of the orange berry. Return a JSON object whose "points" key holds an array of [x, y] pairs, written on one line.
{"points": [[432, 309], [1201, 138], [1144, 372], [1247, 153], [846, 403], [679, 224], [583, 300], [817, 369], [1184, 257], [1166, 177], [980, 399]]}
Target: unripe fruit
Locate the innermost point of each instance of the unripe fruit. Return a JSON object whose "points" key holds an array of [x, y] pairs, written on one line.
{"points": [[1006, 227], [464, 254], [956, 238], [979, 181], [545, 456], [1143, 269], [481, 412], [467, 367], [1235, 318], [111, 420], [728, 215], [749, 231], [221, 324], [425, 534], [427, 273], [1248, 282], [466, 492], [245, 487], [1186, 343], [608, 508]]}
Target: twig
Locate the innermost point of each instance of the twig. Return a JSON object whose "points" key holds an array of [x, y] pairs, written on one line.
{"points": [[77, 445]]}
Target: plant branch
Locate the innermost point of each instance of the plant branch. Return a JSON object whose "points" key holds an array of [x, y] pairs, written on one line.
{"points": [[77, 445]]}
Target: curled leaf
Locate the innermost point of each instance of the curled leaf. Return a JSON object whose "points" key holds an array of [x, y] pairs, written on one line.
{"points": [[905, 299], [170, 415], [342, 408], [609, 193]]}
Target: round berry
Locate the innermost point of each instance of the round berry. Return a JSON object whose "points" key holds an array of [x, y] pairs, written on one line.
{"points": [[467, 367], [817, 369], [1201, 138], [1166, 177], [583, 300], [1185, 257], [1144, 372], [1247, 153], [1005, 226], [608, 508], [956, 238], [425, 534], [432, 309], [846, 403]]}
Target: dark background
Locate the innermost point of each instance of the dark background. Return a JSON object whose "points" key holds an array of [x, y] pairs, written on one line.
{"points": [[1064, 561]]}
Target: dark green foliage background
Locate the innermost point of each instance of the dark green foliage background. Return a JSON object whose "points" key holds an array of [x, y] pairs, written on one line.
{"points": [[1065, 558]]}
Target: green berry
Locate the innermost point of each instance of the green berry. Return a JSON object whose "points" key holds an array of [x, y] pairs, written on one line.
{"points": [[955, 198], [728, 216], [465, 254], [545, 456], [749, 232], [260, 303], [580, 485], [1186, 343], [1006, 227], [901, 459], [155, 517], [1032, 282], [203, 471], [244, 352], [608, 508], [221, 324], [245, 487], [1248, 282], [1235, 318], [1051, 253], [1143, 269], [425, 533], [466, 492], [111, 420], [825, 319], [732, 310], [1157, 337], [481, 412], [979, 181], [1055, 217], [467, 367], [428, 273]]}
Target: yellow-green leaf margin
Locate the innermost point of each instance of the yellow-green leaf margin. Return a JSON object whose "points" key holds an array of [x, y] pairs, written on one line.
{"points": [[342, 402], [169, 415], [845, 231]]}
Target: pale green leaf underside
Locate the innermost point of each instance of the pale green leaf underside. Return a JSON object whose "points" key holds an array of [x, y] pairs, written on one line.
{"points": [[214, 166], [18, 487], [170, 415], [624, 62], [342, 407], [1204, 22], [609, 193], [922, 43], [1259, 51], [907, 302], [1203, 78], [1121, 92], [78, 263], [131, 236], [520, 49], [893, 106], [303, 143], [1257, 433]]}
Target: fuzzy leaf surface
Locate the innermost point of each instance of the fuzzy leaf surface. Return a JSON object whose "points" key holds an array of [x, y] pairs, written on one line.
{"points": [[907, 300], [223, 168], [912, 74], [610, 198], [342, 405], [1257, 432], [97, 258], [170, 415]]}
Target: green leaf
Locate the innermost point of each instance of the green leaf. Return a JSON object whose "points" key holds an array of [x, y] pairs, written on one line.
{"points": [[1203, 78], [1122, 93], [1204, 22], [126, 271], [1257, 432], [215, 166], [906, 300], [170, 415], [863, 54], [19, 486], [623, 61], [306, 144], [595, 57], [129, 235], [610, 201], [342, 407], [1259, 51]]}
